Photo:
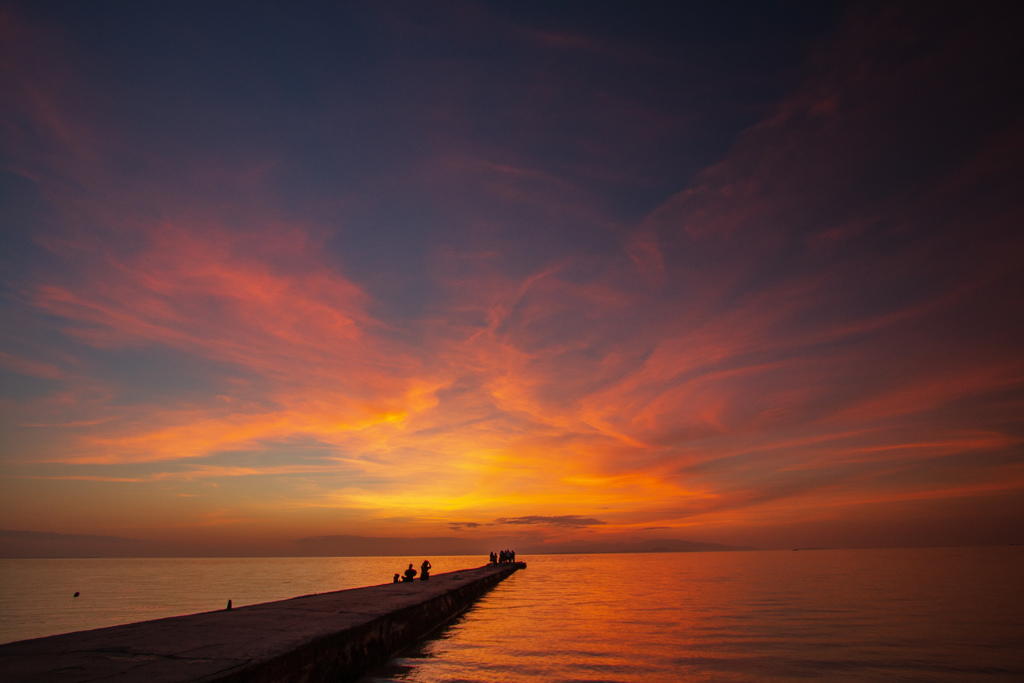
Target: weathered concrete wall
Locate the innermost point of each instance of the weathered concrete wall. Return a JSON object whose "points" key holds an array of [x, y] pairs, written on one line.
{"points": [[326, 637]]}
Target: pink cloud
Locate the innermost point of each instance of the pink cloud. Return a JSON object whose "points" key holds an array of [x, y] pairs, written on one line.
{"points": [[788, 336]]}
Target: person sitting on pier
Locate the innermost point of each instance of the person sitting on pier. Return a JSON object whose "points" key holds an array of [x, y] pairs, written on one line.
{"points": [[410, 573], [425, 570]]}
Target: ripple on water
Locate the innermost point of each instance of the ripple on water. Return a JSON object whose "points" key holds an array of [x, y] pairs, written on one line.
{"points": [[933, 614]]}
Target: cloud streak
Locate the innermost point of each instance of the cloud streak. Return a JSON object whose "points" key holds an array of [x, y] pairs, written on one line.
{"points": [[820, 323]]}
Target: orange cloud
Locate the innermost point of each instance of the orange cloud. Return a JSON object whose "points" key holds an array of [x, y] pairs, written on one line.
{"points": [[773, 342]]}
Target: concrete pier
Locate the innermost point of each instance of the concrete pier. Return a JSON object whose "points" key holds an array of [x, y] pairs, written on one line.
{"points": [[325, 637]]}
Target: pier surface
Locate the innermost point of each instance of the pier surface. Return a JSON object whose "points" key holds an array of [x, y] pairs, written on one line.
{"points": [[324, 637]]}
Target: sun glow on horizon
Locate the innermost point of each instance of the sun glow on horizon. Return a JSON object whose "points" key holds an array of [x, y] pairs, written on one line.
{"points": [[288, 306]]}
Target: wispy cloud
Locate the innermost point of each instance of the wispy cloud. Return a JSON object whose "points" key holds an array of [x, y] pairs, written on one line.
{"points": [[822, 320], [572, 521]]}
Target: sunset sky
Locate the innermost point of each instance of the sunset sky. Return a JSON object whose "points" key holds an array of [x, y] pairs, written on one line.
{"points": [[745, 273]]}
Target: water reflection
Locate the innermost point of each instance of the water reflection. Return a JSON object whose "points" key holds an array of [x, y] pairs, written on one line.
{"points": [[935, 614]]}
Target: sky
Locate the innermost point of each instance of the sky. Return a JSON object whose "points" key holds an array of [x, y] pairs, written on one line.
{"points": [[554, 272]]}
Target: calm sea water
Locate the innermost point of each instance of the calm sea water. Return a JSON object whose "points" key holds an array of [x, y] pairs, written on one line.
{"points": [[837, 615], [911, 615], [36, 595]]}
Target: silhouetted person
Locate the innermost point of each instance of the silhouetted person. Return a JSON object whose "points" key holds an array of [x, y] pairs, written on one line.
{"points": [[410, 573], [494, 558], [397, 578], [425, 570]]}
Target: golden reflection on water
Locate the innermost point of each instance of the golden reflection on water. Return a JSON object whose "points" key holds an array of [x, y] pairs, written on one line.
{"points": [[932, 614]]}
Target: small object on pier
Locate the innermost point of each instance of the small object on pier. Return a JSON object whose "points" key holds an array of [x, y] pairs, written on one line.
{"points": [[229, 606], [76, 594], [397, 578]]}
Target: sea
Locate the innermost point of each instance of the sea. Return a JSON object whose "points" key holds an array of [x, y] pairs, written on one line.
{"points": [[932, 614]]}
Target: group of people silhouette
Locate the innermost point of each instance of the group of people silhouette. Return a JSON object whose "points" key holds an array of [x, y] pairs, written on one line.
{"points": [[500, 557], [503, 556], [410, 573]]}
